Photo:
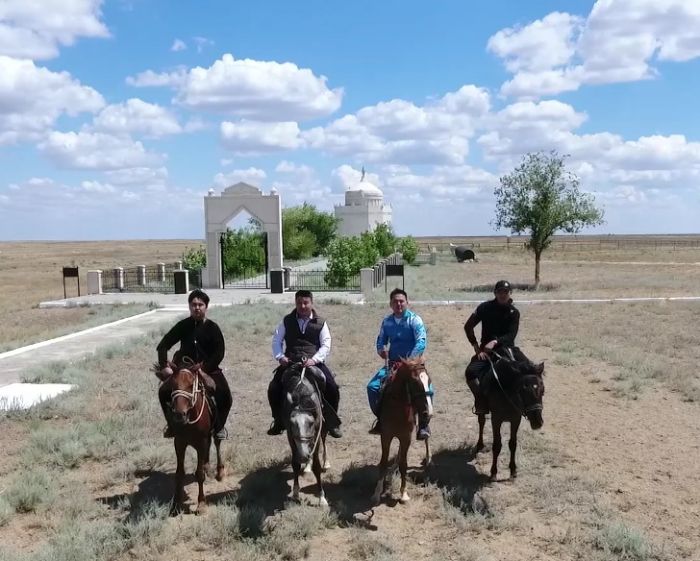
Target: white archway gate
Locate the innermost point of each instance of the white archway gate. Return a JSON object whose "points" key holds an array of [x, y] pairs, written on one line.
{"points": [[219, 210]]}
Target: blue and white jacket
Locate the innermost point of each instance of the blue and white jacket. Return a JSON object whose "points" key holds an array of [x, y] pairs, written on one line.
{"points": [[406, 335]]}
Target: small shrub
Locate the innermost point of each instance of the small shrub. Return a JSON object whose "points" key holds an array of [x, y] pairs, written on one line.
{"points": [[6, 511], [29, 491], [625, 542]]}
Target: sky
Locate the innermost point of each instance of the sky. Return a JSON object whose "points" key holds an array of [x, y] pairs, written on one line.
{"points": [[118, 116]]}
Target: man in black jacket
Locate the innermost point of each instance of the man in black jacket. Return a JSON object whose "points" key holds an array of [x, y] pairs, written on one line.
{"points": [[302, 336], [499, 326], [201, 341]]}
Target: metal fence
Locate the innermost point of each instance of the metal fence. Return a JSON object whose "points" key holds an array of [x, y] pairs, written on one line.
{"points": [[151, 278], [249, 278], [507, 244], [318, 281]]}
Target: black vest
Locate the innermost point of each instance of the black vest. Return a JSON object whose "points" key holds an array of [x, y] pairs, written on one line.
{"points": [[300, 345]]}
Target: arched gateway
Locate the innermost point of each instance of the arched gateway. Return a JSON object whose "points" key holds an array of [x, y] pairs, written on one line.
{"points": [[219, 210]]}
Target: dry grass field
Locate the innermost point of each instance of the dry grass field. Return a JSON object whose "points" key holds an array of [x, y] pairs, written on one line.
{"points": [[612, 475], [30, 272]]}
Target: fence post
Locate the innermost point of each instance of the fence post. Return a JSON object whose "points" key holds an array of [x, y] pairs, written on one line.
{"points": [[178, 265], [276, 281], [433, 256], [367, 281], [161, 272], [119, 278], [141, 275], [94, 282]]}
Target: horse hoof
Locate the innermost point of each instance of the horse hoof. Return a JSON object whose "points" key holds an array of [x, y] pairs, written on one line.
{"points": [[201, 508], [326, 466], [479, 446], [220, 474], [322, 502], [376, 499], [307, 468], [404, 498]]}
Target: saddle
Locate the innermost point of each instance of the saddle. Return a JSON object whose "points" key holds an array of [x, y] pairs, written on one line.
{"points": [[312, 373]]}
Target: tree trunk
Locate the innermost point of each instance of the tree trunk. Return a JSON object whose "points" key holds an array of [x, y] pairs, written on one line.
{"points": [[538, 254]]}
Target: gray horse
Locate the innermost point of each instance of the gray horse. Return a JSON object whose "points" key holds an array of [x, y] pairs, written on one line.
{"points": [[306, 430]]}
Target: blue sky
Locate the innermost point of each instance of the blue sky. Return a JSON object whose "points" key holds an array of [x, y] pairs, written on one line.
{"points": [[116, 117]]}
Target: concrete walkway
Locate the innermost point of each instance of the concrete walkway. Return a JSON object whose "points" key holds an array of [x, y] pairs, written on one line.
{"points": [[81, 343]]}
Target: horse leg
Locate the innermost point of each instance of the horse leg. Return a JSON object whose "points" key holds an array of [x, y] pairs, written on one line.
{"points": [[383, 464], [404, 445], [318, 470], [480, 442], [220, 468], [496, 426], [201, 474], [513, 444], [428, 454], [179, 496], [326, 463]]}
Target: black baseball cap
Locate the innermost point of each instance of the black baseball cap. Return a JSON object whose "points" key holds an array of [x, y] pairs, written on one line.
{"points": [[502, 285]]}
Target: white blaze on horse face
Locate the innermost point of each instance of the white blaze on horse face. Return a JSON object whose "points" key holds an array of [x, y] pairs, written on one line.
{"points": [[426, 385], [302, 427], [289, 398]]}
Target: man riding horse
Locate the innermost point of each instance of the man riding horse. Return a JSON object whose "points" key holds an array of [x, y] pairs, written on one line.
{"points": [[499, 320], [201, 342], [404, 333], [303, 337]]}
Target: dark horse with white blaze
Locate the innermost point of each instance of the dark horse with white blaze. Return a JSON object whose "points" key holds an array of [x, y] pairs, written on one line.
{"points": [[192, 421], [306, 428], [406, 383], [514, 389]]}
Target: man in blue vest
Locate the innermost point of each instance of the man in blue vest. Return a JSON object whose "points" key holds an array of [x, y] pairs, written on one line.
{"points": [[303, 337], [404, 332]]}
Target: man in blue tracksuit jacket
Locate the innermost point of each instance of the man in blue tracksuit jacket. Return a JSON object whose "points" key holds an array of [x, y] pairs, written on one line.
{"points": [[404, 332]]}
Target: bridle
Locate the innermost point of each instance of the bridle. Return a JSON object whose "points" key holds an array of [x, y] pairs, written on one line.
{"points": [[523, 410], [317, 409], [197, 389]]}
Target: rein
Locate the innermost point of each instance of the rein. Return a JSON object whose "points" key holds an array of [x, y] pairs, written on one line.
{"points": [[522, 411], [319, 412]]}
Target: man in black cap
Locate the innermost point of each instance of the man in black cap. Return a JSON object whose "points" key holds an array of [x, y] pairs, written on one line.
{"points": [[201, 342], [499, 326]]}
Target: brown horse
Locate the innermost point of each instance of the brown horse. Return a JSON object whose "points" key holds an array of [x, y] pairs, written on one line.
{"points": [[192, 422], [406, 381], [514, 390], [306, 429]]}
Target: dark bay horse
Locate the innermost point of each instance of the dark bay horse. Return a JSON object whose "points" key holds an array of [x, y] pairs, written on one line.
{"points": [[514, 390], [192, 423], [306, 429], [407, 380]]}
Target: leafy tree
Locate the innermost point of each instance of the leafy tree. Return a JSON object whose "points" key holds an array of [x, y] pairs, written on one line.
{"points": [[306, 231], [385, 240], [194, 258], [541, 197], [409, 249], [244, 252]]}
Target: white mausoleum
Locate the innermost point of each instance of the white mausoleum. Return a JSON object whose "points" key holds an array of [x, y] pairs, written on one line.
{"points": [[364, 209]]}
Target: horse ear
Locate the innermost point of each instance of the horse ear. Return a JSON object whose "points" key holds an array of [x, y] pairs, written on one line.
{"points": [[539, 369]]}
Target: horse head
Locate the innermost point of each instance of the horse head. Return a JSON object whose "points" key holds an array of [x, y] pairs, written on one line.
{"points": [[529, 381], [406, 375], [185, 385], [303, 412]]}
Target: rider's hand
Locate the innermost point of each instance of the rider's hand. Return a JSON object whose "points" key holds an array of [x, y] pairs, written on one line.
{"points": [[284, 361], [482, 355], [164, 373], [383, 354], [309, 362], [490, 345]]}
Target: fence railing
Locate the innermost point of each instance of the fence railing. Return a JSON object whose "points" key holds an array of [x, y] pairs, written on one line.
{"points": [[318, 281], [143, 278], [567, 245]]}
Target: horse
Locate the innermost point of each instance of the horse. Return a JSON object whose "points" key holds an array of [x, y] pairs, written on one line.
{"points": [[306, 428], [397, 413], [192, 422], [514, 390]]}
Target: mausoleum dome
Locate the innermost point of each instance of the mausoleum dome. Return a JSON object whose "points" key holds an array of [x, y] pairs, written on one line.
{"points": [[367, 188]]}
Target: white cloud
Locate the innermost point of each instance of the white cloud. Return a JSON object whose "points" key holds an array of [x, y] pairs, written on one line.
{"points": [[618, 42], [251, 89], [32, 98], [202, 43], [398, 131], [97, 151], [347, 176], [137, 117], [178, 45], [36, 30], [253, 176], [252, 137], [144, 176]]}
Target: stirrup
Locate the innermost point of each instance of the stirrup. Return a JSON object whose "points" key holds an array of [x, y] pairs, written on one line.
{"points": [[376, 428], [275, 428], [221, 434], [168, 432]]}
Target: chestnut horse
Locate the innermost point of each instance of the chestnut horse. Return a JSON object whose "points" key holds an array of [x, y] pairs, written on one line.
{"points": [[192, 423], [397, 413], [514, 389]]}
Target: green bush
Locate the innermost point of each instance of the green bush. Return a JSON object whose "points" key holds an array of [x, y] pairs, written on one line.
{"points": [[244, 252], [409, 249]]}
